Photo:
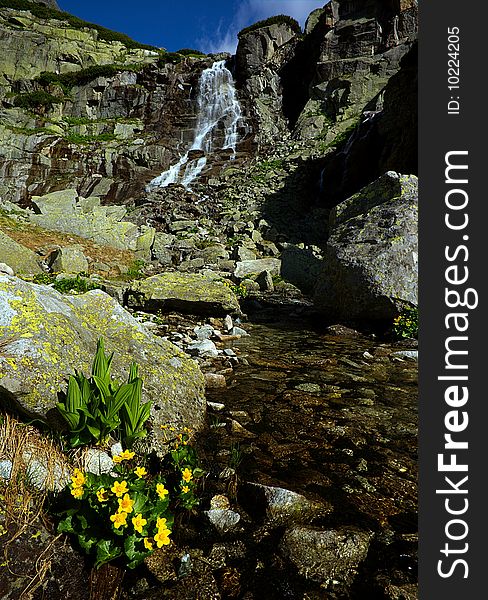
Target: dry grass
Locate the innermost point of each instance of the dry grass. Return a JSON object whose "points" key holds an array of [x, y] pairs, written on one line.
{"points": [[35, 238], [21, 504]]}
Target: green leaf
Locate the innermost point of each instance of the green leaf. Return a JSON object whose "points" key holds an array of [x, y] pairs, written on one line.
{"points": [[66, 525], [103, 387], [71, 418], [86, 542], [73, 395], [106, 551]]}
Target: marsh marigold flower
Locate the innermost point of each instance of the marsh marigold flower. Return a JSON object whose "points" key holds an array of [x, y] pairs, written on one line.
{"points": [[77, 492], [126, 504], [161, 523], [119, 488], [140, 472], [148, 544], [119, 519], [138, 522], [125, 455], [161, 491], [78, 478], [187, 475], [102, 495], [161, 538], [185, 489]]}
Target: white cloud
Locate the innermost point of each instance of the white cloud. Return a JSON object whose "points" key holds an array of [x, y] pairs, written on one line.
{"points": [[250, 11]]}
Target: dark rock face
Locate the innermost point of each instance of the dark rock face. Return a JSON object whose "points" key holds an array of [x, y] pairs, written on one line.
{"points": [[370, 266], [51, 3], [385, 140]]}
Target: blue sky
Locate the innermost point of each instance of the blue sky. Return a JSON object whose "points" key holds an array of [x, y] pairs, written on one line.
{"points": [[208, 25]]}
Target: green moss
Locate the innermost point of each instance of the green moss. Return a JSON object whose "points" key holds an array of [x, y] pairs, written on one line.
{"points": [[76, 138], [278, 19], [44, 12]]}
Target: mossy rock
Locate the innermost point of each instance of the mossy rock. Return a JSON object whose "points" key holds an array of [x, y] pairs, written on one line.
{"points": [[18, 257], [45, 336], [191, 293]]}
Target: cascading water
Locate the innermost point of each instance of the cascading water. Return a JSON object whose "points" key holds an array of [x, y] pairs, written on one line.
{"points": [[217, 104]]}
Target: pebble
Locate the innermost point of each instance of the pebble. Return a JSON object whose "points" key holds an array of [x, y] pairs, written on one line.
{"points": [[98, 462], [5, 467], [204, 332], [239, 331], [224, 520], [204, 348], [214, 380], [216, 406]]}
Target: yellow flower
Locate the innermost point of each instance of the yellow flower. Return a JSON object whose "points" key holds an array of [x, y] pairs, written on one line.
{"points": [[119, 488], [148, 544], [77, 492], [102, 495], [161, 538], [126, 504], [186, 475], [140, 472], [161, 523], [138, 522], [161, 491], [125, 455], [185, 489], [78, 478], [119, 519]]}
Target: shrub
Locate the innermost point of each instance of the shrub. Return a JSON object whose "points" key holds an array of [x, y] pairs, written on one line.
{"points": [[45, 12], [76, 78], [278, 19], [67, 285], [190, 52], [406, 325], [169, 57], [97, 406], [37, 99]]}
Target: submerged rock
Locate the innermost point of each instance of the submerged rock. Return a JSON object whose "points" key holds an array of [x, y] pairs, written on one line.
{"points": [[48, 335], [326, 556], [370, 267]]}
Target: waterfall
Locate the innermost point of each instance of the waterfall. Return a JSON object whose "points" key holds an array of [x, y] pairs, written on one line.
{"points": [[216, 104]]}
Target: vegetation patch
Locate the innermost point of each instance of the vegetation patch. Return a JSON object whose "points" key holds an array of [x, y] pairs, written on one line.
{"points": [[277, 20], [45, 12], [406, 325], [170, 58], [77, 78], [35, 100], [76, 138], [190, 52]]}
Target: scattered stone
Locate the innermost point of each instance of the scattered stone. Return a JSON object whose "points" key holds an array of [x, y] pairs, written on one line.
{"points": [[408, 354], [229, 352], [45, 473], [224, 520], [228, 324], [215, 406], [311, 388], [5, 469], [116, 449], [251, 267], [214, 380], [219, 502], [333, 554], [204, 332], [265, 281], [238, 331], [203, 348], [6, 269], [281, 506], [18, 258], [342, 330], [70, 259], [97, 461]]}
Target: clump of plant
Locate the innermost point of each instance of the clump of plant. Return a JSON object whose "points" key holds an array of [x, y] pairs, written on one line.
{"points": [[278, 19], [169, 57], [67, 285], [240, 290], [76, 78], [124, 514], [37, 99], [98, 406], [406, 325], [128, 513], [190, 52]]}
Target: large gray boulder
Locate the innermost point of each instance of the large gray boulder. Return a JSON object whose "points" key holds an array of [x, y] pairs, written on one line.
{"points": [[19, 258], [192, 293], [370, 266], [45, 336]]}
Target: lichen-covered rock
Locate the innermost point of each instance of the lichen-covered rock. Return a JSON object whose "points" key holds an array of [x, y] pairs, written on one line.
{"points": [[323, 556], [254, 267], [46, 336], [19, 258], [69, 260], [192, 293], [370, 267]]}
